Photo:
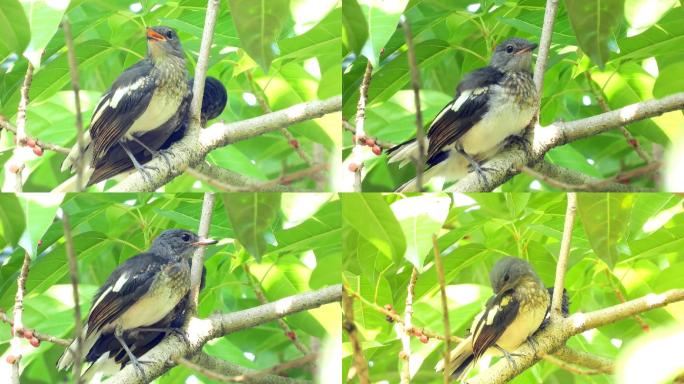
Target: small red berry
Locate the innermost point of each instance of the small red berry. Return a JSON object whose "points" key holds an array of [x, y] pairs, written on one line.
{"points": [[38, 151], [34, 342], [353, 167], [633, 143], [31, 143], [370, 142], [424, 339], [28, 334], [11, 359], [377, 150], [418, 332], [388, 307], [294, 143], [291, 335]]}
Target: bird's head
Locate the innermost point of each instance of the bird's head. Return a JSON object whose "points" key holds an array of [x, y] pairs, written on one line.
{"points": [[178, 243], [513, 54], [163, 41], [509, 272]]}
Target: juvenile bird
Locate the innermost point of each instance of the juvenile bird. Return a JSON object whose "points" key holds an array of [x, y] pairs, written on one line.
{"points": [[493, 105], [510, 317], [140, 292], [141, 109]]}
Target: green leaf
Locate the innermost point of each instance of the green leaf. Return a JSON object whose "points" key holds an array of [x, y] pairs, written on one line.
{"points": [[323, 38], [252, 215], [354, 27], [370, 215], [594, 23], [382, 18], [605, 217], [420, 217], [258, 25], [12, 221], [39, 212], [14, 28], [669, 80], [44, 16]]}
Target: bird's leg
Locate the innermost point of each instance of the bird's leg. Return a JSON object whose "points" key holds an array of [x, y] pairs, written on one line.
{"points": [[136, 164], [474, 165], [518, 141], [509, 356], [176, 331], [533, 344], [161, 153], [118, 335]]}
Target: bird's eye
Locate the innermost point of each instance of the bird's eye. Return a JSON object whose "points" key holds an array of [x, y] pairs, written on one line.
{"points": [[169, 34], [506, 278], [185, 237], [509, 48]]}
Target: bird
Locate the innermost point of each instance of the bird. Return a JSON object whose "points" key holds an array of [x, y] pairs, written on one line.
{"points": [[511, 316], [213, 102], [139, 293], [142, 108], [107, 356], [492, 107]]}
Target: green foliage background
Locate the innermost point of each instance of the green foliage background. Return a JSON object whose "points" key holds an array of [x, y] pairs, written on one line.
{"points": [[291, 54], [624, 58], [297, 236], [626, 243]]}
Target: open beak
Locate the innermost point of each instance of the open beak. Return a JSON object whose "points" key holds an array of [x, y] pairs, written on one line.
{"points": [[152, 35], [529, 48], [204, 242]]}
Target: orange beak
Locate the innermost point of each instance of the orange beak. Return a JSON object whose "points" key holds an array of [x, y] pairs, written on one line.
{"points": [[152, 35]]}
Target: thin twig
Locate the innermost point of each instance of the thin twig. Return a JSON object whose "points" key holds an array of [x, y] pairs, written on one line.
{"points": [[408, 325], [227, 180], [39, 143], [73, 274], [631, 140], [18, 326], [574, 178], [198, 257], [359, 362], [350, 128], [249, 377], [21, 125], [439, 268], [571, 368], [360, 125], [263, 300], [585, 359], [562, 264], [544, 45], [226, 368], [38, 335], [644, 326], [598, 185], [415, 84], [73, 70]]}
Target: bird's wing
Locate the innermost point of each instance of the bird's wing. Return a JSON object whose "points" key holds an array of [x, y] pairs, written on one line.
{"points": [[130, 281], [499, 313], [120, 107], [457, 117]]}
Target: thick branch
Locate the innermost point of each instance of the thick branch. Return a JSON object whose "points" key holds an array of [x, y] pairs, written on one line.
{"points": [[199, 331], [188, 152], [559, 331], [198, 257], [546, 138]]}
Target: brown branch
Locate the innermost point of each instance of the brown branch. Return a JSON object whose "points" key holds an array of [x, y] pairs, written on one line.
{"points": [[73, 71], [585, 359], [551, 173], [18, 326], [21, 127], [289, 333], [208, 365], [439, 268], [358, 361], [415, 84], [350, 128], [405, 358], [571, 368], [563, 255], [38, 335], [39, 143], [227, 180], [360, 125], [73, 274], [598, 185], [198, 257], [544, 44]]}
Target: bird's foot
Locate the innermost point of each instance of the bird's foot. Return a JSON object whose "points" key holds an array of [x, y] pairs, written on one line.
{"points": [[533, 344], [164, 154], [131, 357], [509, 356], [481, 171], [519, 141]]}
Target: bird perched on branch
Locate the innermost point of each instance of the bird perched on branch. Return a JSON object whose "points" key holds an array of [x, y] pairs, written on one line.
{"points": [[142, 108], [493, 105], [140, 293], [515, 312]]}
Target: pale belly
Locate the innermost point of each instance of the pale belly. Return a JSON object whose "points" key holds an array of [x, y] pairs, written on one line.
{"points": [[518, 332], [159, 111]]}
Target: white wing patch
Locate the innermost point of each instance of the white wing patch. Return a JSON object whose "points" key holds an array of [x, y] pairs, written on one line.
{"points": [[121, 92], [459, 102], [120, 282], [102, 296]]}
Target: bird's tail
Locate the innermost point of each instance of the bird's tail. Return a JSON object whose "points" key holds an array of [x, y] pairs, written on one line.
{"points": [[461, 359], [403, 153], [69, 162], [67, 358], [69, 185]]}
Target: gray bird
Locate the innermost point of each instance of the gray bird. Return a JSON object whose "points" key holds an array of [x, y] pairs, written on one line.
{"points": [[511, 316], [140, 292], [493, 105], [141, 109]]}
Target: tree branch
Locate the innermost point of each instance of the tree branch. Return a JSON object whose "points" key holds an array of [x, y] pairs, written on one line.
{"points": [[439, 268], [227, 368], [199, 331], [18, 326], [415, 84], [360, 121], [73, 71], [564, 253], [198, 257], [73, 274], [359, 361], [559, 331], [187, 152], [575, 181], [505, 164]]}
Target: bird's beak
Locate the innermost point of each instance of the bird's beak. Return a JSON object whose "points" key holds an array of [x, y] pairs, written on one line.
{"points": [[153, 35], [528, 48], [204, 242]]}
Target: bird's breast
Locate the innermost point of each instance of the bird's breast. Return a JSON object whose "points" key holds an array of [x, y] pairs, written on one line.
{"points": [[533, 304]]}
